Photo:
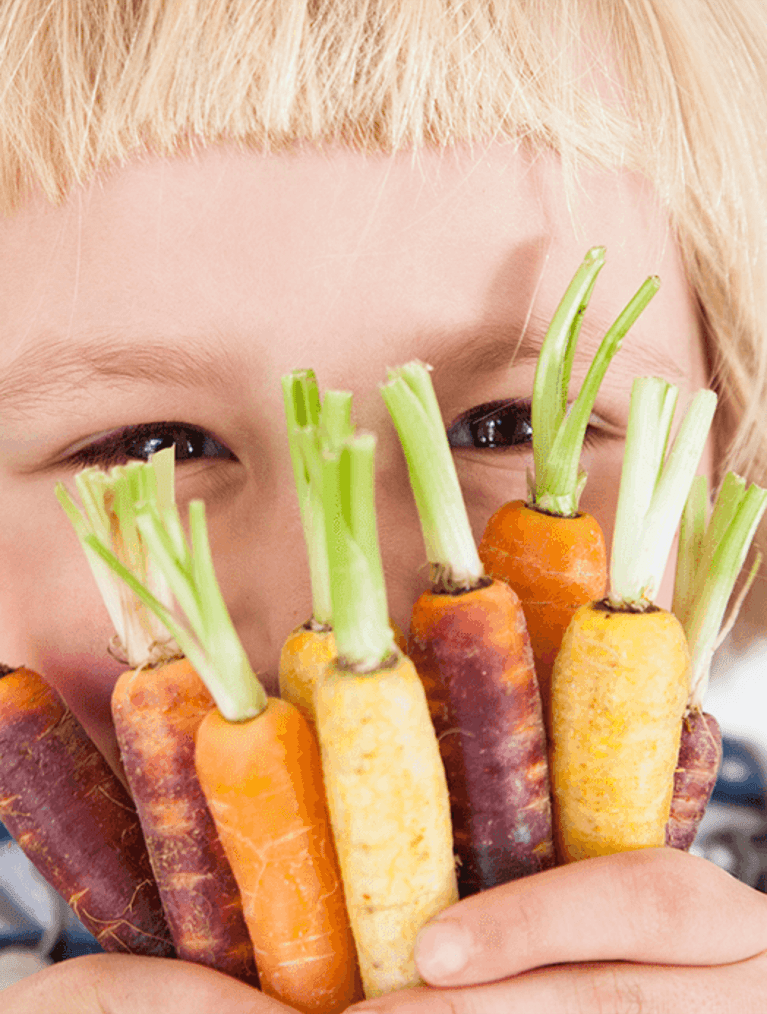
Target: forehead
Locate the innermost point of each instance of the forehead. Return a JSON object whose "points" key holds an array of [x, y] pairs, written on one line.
{"points": [[310, 246]]}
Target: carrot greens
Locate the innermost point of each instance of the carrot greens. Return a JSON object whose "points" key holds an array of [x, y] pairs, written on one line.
{"points": [[450, 546], [558, 432], [206, 634], [363, 634], [108, 514], [320, 422], [712, 550], [654, 487]]}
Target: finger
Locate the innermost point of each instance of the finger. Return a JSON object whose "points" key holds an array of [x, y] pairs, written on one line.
{"points": [[127, 984], [652, 905], [593, 989]]}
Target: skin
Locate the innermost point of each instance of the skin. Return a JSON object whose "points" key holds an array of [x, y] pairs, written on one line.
{"points": [[349, 265]]}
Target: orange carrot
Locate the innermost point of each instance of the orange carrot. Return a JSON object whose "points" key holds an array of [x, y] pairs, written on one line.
{"points": [[258, 764], [263, 782], [553, 563], [469, 644], [74, 819], [551, 554]]}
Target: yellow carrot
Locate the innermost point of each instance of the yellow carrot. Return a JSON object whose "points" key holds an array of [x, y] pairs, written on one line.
{"points": [[390, 813], [621, 688], [384, 778], [621, 678]]}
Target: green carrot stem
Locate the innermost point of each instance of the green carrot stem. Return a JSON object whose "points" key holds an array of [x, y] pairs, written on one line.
{"points": [[335, 422], [330, 421], [206, 635], [692, 530], [560, 481], [108, 513], [711, 556], [450, 546], [552, 373], [653, 488], [364, 639]]}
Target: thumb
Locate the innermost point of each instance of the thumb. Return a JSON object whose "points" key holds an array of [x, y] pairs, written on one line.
{"points": [[127, 984]]}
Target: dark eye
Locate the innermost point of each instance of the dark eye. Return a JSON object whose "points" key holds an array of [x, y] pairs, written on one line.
{"points": [[493, 424], [139, 442]]}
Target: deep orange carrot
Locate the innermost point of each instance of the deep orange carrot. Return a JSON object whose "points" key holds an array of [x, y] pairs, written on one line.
{"points": [[552, 554], [156, 714], [74, 819], [554, 564], [156, 706], [263, 782]]}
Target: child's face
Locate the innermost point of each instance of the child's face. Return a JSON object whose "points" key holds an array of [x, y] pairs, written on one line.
{"points": [[179, 291]]}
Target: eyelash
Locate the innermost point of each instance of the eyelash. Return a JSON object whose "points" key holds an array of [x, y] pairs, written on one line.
{"points": [[192, 443], [482, 427]]}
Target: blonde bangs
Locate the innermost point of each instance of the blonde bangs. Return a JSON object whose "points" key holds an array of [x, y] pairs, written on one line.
{"points": [[672, 89], [87, 82]]}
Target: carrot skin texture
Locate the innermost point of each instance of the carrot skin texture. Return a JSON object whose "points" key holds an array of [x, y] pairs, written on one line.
{"points": [[700, 757], [262, 779], [554, 564], [156, 714], [390, 812], [304, 658], [473, 655], [619, 692], [305, 655], [74, 819]]}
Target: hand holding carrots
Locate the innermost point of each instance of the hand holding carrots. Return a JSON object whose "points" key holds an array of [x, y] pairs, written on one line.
{"points": [[575, 940], [127, 984], [587, 921]]}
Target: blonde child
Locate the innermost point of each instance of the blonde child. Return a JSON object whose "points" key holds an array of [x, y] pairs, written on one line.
{"points": [[202, 195]]}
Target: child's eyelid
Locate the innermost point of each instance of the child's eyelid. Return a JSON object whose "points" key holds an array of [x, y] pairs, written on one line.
{"points": [[462, 431], [606, 427], [94, 438], [459, 430], [108, 447]]}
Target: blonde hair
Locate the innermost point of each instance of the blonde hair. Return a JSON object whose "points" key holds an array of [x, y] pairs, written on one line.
{"points": [[672, 89]]}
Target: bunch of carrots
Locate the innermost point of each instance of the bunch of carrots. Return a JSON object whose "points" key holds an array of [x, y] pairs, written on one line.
{"points": [[301, 842]]}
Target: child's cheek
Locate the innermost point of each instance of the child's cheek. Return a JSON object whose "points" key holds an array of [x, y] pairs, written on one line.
{"points": [[85, 682], [54, 621]]}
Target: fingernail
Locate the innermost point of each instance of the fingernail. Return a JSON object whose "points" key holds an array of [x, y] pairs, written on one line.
{"points": [[442, 949]]}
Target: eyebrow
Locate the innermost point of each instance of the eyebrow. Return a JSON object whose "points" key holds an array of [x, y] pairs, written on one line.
{"points": [[494, 346], [54, 367]]}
